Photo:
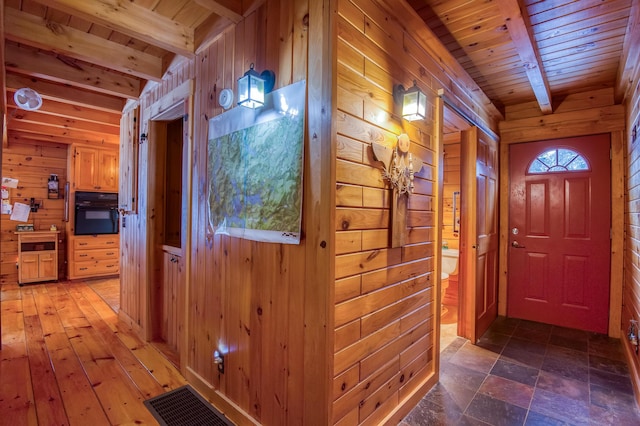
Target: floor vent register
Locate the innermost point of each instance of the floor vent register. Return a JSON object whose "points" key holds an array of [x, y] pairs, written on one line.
{"points": [[184, 406]]}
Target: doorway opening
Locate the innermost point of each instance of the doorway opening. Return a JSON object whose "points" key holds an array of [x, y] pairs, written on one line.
{"points": [[453, 125], [168, 149]]}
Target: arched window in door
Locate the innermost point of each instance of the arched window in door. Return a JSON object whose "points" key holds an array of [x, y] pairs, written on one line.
{"points": [[558, 160]]}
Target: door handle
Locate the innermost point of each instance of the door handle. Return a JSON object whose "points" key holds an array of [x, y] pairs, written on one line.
{"points": [[516, 245]]}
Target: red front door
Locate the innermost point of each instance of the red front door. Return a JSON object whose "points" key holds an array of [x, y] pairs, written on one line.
{"points": [[559, 232]]}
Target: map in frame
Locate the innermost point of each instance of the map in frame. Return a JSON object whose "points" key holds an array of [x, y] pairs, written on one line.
{"points": [[255, 168]]}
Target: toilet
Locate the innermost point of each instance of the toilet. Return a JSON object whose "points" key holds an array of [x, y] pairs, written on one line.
{"points": [[449, 267]]}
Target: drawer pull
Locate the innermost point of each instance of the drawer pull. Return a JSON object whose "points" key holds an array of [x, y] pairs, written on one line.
{"points": [[83, 255], [82, 244], [111, 266], [111, 242], [83, 269], [110, 253]]}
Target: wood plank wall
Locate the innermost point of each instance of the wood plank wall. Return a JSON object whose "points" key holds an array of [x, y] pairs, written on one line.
{"points": [[384, 314], [270, 307], [245, 298], [385, 349], [32, 162], [631, 290]]}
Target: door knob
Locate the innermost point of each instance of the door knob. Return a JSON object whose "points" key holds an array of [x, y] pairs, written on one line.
{"points": [[516, 245]]}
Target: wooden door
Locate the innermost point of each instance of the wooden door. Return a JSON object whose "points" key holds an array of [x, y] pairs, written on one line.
{"points": [[480, 237], [560, 225]]}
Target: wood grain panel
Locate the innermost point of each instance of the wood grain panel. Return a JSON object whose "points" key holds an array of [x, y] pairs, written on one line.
{"points": [[245, 297], [630, 291], [32, 163]]}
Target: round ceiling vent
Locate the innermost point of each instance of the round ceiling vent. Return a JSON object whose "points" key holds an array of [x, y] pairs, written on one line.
{"points": [[27, 99]]}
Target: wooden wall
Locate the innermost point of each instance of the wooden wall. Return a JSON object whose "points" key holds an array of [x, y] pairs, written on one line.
{"points": [[32, 162], [385, 350], [245, 298], [631, 294], [339, 329]]}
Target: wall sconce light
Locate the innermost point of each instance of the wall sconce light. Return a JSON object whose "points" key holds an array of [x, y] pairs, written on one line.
{"points": [[413, 101], [253, 86], [218, 359]]}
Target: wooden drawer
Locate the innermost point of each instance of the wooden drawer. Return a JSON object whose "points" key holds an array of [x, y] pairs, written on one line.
{"points": [[98, 267], [39, 237], [96, 254], [96, 242]]}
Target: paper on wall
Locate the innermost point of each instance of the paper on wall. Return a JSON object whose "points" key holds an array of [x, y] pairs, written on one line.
{"points": [[20, 212], [6, 207], [5, 193], [9, 182]]}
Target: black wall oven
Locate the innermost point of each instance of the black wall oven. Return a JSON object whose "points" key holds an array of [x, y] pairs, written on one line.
{"points": [[96, 213]]}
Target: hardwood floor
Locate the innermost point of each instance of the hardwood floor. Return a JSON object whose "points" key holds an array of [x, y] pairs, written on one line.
{"points": [[67, 360]]}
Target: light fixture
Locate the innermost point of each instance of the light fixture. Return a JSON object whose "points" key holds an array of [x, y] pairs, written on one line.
{"points": [[413, 101], [218, 359], [252, 87]]}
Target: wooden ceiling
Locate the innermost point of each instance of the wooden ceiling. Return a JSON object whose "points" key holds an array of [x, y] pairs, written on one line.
{"points": [[88, 57], [520, 51]]}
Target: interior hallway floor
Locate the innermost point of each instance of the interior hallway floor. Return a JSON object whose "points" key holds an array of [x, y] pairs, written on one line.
{"points": [[527, 373]]}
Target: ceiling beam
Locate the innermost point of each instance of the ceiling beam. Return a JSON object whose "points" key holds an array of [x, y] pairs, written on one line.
{"points": [[73, 112], [227, 10], [519, 29], [15, 136], [48, 35], [210, 30], [69, 71], [17, 115], [630, 54], [133, 20], [57, 134], [66, 93]]}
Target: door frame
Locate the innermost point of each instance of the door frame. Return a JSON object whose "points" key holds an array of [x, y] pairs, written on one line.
{"points": [[455, 118], [617, 219], [177, 103]]}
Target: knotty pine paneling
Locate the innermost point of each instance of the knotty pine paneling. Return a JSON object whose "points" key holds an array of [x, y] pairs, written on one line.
{"points": [[32, 162], [271, 306], [631, 293], [384, 296], [244, 298]]}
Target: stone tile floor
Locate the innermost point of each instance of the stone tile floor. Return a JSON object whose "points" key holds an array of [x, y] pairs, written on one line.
{"points": [[527, 373]]}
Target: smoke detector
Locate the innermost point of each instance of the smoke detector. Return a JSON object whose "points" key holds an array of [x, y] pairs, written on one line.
{"points": [[27, 99]]}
